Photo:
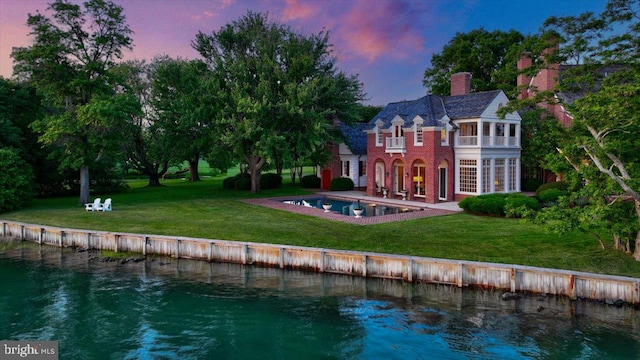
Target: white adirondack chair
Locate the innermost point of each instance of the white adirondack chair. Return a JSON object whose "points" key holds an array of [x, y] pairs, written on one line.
{"points": [[93, 206], [106, 206]]}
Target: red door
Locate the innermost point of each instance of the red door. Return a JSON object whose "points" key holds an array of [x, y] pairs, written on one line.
{"points": [[325, 179]]}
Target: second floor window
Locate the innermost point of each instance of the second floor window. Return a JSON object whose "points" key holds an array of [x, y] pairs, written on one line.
{"points": [[419, 135]]}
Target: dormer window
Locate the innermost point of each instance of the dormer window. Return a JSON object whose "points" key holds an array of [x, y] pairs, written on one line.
{"points": [[379, 133], [418, 132]]}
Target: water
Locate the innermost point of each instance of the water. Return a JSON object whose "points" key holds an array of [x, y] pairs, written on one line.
{"points": [[180, 309], [345, 207]]}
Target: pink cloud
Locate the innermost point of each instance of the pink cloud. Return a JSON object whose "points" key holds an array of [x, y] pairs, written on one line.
{"points": [[390, 29], [296, 10]]}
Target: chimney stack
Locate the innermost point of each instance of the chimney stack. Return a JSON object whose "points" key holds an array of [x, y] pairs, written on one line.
{"points": [[460, 83], [524, 62]]}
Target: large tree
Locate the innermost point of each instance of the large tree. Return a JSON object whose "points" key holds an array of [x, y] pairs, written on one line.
{"points": [[69, 61], [148, 148], [281, 90], [489, 56], [184, 101], [602, 73]]}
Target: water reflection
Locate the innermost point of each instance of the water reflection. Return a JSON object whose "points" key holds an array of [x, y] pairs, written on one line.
{"points": [[168, 308]]}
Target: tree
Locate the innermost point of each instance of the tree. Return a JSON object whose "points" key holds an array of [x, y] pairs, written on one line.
{"points": [[148, 148], [490, 57], [603, 75], [16, 180], [184, 101], [69, 61], [281, 91]]}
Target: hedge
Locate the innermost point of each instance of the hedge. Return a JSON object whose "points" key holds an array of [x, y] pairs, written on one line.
{"points": [[498, 204], [310, 181], [560, 185], [270, 181], [341, 184]]}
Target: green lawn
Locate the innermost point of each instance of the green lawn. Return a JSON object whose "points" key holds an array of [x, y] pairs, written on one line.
{"points": [[205, 210]]}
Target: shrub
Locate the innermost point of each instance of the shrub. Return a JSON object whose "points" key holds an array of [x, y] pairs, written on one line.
{"points": [[310, 181], [560, 185], [531, 184], [341, 184], [230, 182], [518, 200], [499, 204], [551, 195], [270, 181], [243, 183], [16, 181]]}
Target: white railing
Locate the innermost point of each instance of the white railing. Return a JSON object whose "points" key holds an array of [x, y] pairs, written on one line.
{"points": [[468, 140], [396, 143]]}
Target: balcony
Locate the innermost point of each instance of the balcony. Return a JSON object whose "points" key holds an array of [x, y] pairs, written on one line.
{"points": [[396, 145]]}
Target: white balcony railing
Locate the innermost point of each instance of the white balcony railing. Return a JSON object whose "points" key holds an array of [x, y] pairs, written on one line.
{"points": [[396, 144], [468, 140]]}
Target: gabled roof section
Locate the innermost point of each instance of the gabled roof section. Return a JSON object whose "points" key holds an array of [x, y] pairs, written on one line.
{"points": [[433, 108], [470, 105], [407, 110], [355, 137]]}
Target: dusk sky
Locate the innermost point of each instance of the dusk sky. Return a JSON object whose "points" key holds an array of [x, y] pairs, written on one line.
{"points": [[388, 43]]}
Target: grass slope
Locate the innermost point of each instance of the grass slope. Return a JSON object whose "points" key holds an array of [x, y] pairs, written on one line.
{"points": [[205, 210]]}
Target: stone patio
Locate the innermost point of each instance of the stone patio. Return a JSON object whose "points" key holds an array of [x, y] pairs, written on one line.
{"points": [[422, 209]]}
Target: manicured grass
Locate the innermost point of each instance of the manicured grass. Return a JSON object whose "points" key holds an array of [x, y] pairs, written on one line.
{"points": [[206, 210]]}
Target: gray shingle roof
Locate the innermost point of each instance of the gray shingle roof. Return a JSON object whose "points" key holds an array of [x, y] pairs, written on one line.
{"points": [[432, 108], [355, 137]]}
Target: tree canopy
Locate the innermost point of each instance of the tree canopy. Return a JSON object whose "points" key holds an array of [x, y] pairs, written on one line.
{"points": [[280, 91], [599, 88], [69, 62], [490, 57]]}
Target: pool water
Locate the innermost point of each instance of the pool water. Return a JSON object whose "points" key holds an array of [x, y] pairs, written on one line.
{"points": [[345, 207]]}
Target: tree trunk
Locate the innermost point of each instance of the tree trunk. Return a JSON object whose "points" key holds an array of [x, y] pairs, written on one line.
{"points": [[292, 175], [255, 167], [193, 169], [636, 251], [84, 185], [617, 244], [154, 179]]}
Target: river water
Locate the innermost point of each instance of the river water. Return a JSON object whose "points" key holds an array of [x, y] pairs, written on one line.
{"points": [[165, 308]]}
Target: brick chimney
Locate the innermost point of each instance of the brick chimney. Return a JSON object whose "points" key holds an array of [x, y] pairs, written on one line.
{"points": [[524, 62], [460, 83]]}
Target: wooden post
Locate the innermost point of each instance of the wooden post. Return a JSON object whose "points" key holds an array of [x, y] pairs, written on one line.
{"points": [[410, 270], [572, 287], [282, 251], [322, 254], [210, 253], [245, 254], [22, 233], [364, 265], [88, 240], [40, 236], [459, 278], [145, 242], [4, 229], [513, 280], [117, 241], [62, 238], [177, 248]]}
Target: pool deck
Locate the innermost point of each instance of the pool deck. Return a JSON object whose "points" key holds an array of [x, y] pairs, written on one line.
{"points": [[426, 210]]}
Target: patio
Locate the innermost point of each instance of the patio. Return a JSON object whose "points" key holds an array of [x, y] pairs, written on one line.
{"points": [[424, 210]]}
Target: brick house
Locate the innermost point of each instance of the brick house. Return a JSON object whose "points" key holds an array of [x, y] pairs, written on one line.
{"points": [[444, 148]]}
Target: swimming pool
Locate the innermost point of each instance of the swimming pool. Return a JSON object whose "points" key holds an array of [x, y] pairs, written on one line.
{"points": [[346, 207]]}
